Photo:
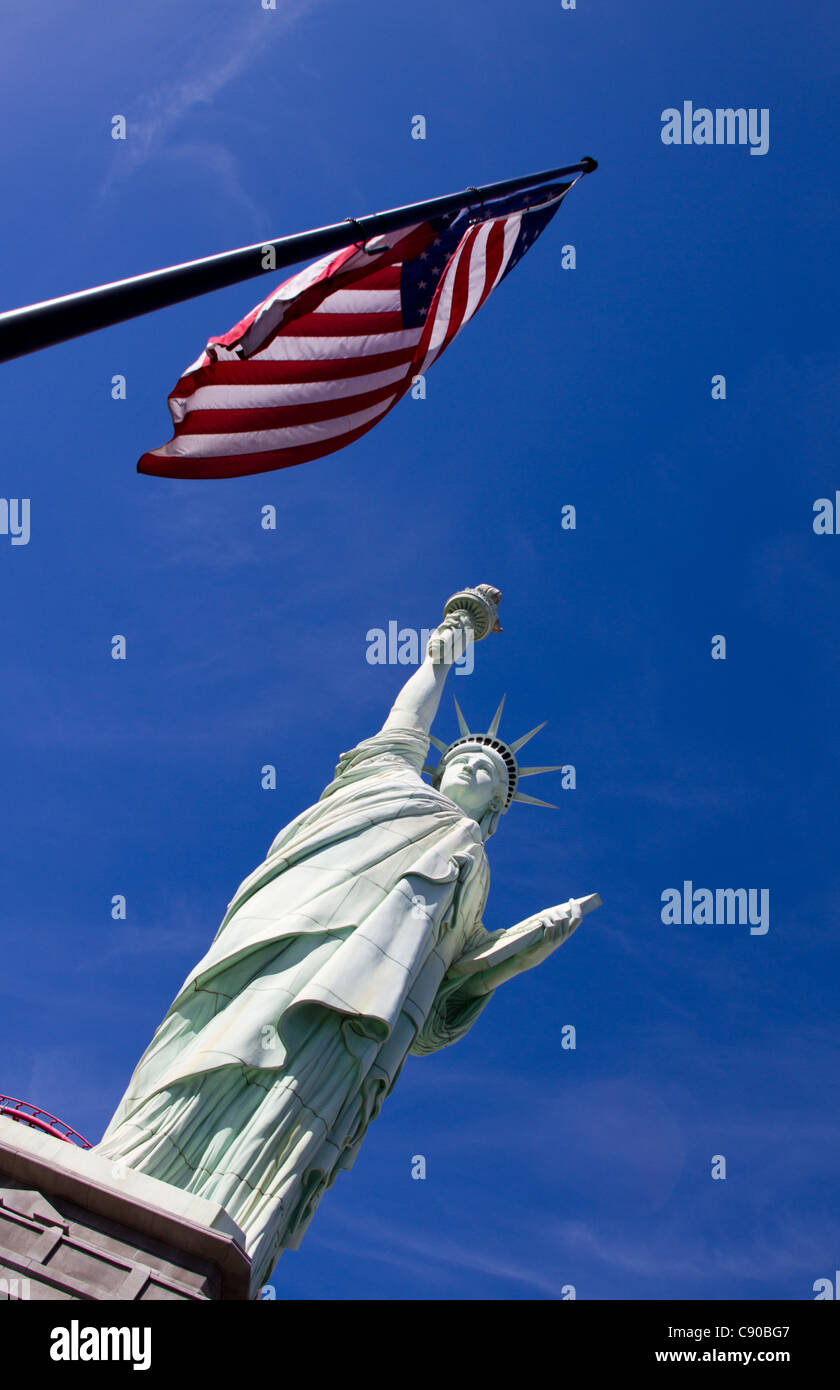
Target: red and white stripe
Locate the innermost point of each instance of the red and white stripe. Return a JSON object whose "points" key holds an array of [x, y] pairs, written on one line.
{"points": [[320, 361]]}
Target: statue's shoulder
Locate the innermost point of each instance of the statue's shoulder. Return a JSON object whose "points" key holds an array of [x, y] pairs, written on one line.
{"points": [[394, 748]]}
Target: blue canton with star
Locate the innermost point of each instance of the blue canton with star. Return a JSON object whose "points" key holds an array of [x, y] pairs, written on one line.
{"points": [[420, 277]]}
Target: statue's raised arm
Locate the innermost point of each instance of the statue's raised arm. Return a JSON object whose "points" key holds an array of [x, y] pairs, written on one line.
{"points": [[468, 616]]}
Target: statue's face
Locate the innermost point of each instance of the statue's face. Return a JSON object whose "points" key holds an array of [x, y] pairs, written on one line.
{"points": [[472, 780]]}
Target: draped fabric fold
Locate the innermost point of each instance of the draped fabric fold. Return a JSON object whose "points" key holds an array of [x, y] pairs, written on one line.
{"points": [[330, 967]]}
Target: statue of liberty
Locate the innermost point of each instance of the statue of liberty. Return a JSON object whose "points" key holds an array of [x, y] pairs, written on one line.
{"points": [[356, 942]]}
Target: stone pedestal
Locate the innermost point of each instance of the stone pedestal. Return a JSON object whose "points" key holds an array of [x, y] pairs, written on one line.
{"points": [[74, 1225]]}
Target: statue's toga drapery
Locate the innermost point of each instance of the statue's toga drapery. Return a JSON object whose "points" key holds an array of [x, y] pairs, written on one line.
{"points": [[331, 965]]}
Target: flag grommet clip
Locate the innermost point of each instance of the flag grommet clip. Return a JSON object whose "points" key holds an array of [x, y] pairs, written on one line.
{"points": [[362, 245], [480, 216]]}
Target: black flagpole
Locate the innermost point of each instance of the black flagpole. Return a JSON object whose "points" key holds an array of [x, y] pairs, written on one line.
{"points": [[55, 320]]}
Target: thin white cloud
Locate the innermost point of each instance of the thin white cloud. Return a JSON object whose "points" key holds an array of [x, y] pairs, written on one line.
{"points": [[683, 1255], [404, 1248], [197, 81]]}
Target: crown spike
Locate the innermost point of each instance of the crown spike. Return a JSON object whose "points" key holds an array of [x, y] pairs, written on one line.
{"points": [[497, 717], [534, 801], [520, 742], [462, 723], [532, 771], [438, 743], [427, 767]]}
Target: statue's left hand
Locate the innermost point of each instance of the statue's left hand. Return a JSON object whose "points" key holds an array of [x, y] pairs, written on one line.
{"points": [[523, 946], [560, 921], [557, 924]]}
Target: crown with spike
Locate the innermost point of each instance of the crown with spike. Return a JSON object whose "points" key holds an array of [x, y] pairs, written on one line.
{"points": [[505, 752]]}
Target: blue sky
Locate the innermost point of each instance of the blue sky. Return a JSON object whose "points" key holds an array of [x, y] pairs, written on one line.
{"points": [[546, 1167]]}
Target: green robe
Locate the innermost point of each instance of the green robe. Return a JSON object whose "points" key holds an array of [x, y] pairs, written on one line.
{"points": [[332, 964]]}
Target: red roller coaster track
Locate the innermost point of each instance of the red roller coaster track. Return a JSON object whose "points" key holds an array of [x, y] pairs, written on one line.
{"points": [[40, 1119]]}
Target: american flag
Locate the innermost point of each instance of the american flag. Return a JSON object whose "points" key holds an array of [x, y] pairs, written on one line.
{"points": [[320, 361]]}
